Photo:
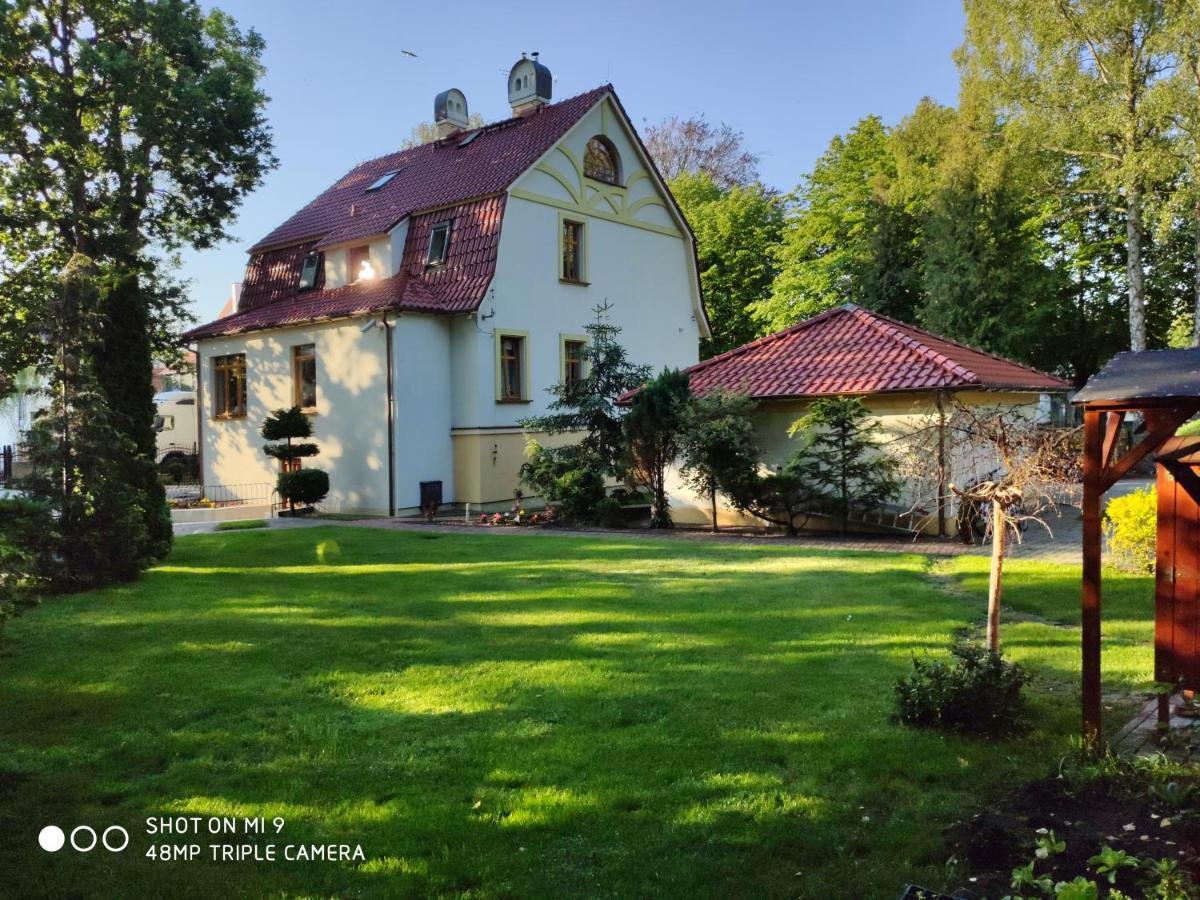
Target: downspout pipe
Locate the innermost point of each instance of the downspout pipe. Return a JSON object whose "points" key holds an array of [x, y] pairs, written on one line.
{"points": [[391, 417]]}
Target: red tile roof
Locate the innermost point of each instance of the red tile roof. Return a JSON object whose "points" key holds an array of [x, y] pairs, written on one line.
{"points": [[441, 176], [457, 286], [441, 173], [851, 350]]}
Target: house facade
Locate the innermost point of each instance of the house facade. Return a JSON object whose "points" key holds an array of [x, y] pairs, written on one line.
{"points": [[424, 304], [910, 380]]}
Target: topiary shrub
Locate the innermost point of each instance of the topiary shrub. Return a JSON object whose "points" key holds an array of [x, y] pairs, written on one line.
{"points": [[978, 693], [303, 487], [1130, 526]]}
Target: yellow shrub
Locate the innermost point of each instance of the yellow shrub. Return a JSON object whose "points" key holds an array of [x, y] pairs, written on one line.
{"points": [[1130, 523]]}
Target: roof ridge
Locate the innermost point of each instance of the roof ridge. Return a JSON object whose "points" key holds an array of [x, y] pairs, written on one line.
{"points": [[945, 340], [765, 339], [498, 125], [889, 327]]}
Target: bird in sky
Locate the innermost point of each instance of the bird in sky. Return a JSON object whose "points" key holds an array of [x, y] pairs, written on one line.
{"points": [[409, 53]]}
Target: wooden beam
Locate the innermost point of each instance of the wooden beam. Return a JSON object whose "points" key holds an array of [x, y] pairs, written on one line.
{"points": [[1112, 432], [1093, 490], [1160, 427]]}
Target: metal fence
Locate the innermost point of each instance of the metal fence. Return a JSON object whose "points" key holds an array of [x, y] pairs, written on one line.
{"points": [[248, 494], [12, 464]]}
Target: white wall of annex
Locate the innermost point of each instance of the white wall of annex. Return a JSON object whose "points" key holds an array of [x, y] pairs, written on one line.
{"points": [[349, 425]]}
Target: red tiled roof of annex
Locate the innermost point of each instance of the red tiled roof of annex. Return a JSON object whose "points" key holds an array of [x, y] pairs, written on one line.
{"points": [[454, 179], [851, 350]]}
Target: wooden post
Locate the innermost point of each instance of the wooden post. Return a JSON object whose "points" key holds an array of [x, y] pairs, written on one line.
{"points": [[941, 463], [995, 583], [1093, 449], [6, 465]]}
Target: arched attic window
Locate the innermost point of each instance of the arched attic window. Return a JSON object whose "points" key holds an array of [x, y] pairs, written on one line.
{"points": [[600, 160]]}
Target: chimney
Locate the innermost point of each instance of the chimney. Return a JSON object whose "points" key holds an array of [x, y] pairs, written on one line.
{"points": [[449, 113], [235, 295], [530, 85]]}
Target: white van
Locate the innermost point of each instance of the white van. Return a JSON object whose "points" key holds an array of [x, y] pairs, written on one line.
{"points": [[175, 423]]}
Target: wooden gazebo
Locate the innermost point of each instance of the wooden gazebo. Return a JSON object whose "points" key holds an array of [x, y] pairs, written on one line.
{"points": [[1162, 389]]}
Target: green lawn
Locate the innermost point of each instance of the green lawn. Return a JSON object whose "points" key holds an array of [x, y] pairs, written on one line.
{"points": [[512, 716]]}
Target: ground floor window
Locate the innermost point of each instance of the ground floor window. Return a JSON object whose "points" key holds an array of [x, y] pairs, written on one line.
{"points": [[229, 385], [304, 377]]}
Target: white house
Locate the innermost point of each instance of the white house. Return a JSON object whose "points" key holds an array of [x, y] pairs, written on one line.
{"points": [[424, 303]]}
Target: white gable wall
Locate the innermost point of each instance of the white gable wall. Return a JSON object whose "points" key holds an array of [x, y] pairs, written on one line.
{"points": [[638, 260]]}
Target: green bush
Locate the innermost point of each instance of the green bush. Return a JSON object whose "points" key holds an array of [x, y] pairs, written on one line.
{"points": [[610, 513], [1130, 525], [26, 552], [1189, 429], [571, 478], [303, 486], [979, 693]]}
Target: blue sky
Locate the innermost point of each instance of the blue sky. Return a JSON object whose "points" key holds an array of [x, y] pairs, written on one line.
{"points": [[788, 75]]}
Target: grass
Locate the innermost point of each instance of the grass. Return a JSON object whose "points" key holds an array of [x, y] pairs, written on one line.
{"points": [[242, 524], [520, 716]]}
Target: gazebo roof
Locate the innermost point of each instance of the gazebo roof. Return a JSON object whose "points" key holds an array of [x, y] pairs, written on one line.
{"points": [[1151, 376]]}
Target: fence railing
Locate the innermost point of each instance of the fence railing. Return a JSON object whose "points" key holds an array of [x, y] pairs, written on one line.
{"points": [[248, 494], [11, 462]]}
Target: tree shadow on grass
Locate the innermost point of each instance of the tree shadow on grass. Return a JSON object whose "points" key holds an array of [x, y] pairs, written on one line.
{"points": [[561, 720]]}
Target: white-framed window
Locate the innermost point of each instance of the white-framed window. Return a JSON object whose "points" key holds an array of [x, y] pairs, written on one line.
{"points": [[439, 244]]}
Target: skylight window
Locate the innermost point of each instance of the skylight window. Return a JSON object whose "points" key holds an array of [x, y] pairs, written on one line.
{"points": [[382, 180], [439, 244], [308, 273], [470, 137]]}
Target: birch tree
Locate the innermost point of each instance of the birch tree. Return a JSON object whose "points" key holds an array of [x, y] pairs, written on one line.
{"points": [[1084, 79]]}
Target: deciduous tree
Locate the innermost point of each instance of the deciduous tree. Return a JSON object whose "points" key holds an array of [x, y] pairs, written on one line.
{"points": [[718, 446], [695, 146], [1083, 79], [653, 433], [737, 229], [127, 131]]}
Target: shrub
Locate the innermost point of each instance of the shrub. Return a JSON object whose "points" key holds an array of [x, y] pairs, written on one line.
{"points": [[1130, 524], [980, 692], [610, 513], [572, 478], [303, 486], [26, 551]]}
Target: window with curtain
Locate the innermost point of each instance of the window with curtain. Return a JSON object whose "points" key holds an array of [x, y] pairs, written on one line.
{"points": [[512, 351]]}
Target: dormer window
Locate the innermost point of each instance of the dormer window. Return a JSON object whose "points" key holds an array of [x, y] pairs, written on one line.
{"points": [[600, 160], [308, 272], [439, 244], [358, 264], [381, 181]]}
